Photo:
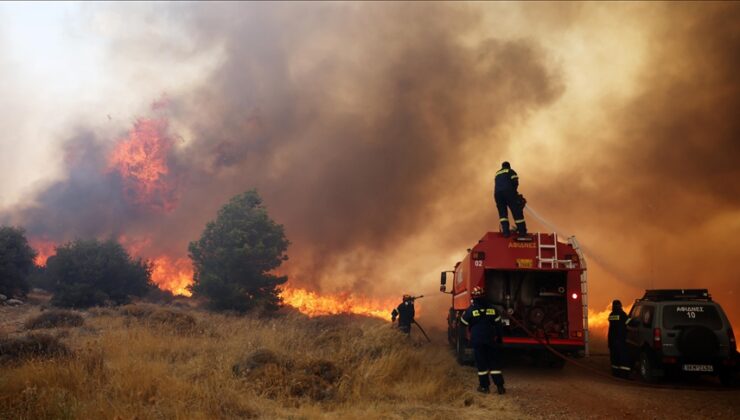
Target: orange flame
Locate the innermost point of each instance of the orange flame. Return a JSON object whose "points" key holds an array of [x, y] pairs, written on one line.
{"points": [[44, 248], [171, 274], [598, 320], [141, 160], [312, 304]]}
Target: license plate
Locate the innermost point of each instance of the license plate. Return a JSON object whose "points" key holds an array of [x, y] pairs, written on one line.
{"points": [[698, 368], [505, 321]]}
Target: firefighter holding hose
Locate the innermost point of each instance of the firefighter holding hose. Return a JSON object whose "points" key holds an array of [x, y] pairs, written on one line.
{"points": [[405, 313], [507, 197], [486, 333]]}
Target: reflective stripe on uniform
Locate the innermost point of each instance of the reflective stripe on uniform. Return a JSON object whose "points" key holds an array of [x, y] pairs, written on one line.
{"points": [[476, 312], [502, 171], [514, 176], [490, 311], [624, 368], [498, 318], [463, 321], [503, 219], [613, 317], [495, 372], [519, 221], [482, 373], [628, 320]]}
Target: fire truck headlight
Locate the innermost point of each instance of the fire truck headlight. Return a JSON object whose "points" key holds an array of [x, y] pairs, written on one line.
{"points": [[574, 295]]}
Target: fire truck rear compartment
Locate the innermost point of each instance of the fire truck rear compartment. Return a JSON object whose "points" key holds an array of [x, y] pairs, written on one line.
{"points": [[538, 299]]}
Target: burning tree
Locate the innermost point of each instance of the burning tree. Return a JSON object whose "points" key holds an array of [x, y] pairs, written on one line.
{"points": [[16, 261], [87, 273], [234, 256]]}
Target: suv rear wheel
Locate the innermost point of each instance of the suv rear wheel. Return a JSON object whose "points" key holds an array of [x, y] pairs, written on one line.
{"points": [[648, 372], [460, 345]]}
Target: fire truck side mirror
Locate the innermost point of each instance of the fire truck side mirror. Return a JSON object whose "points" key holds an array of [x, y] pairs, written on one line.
{"points": [[443, 282]]}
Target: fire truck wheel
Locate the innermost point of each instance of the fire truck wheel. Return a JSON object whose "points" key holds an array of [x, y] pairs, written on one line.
{"points": [[647, 368], [460, 348]]}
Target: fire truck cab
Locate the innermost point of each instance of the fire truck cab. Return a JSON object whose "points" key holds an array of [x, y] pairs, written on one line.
{"points": [[540, 287]]}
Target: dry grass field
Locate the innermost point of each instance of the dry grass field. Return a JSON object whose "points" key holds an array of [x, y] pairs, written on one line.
{"points": [[155, 362]]}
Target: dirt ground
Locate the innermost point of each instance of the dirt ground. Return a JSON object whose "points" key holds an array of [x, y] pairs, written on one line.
{"points": [[577, 393], [572, 392]]}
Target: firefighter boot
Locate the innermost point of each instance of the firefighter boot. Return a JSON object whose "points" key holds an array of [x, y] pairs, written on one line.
{"points": [[521, 231], [501, 390], [505, 227], [483, 390]]}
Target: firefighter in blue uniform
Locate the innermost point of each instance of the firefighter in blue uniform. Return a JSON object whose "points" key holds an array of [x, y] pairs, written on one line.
{"points": [[507, 197], [405, 314], [486, 333], [618, 320]]}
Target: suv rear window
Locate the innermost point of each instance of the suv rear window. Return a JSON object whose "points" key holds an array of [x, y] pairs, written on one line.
{"points": [[691, 314]]}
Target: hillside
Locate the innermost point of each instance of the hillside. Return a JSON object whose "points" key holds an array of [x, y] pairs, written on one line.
{"points": [[145, 361]]}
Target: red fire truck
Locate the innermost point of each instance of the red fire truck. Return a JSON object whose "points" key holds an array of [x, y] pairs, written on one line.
{"points": [[539, 286]]}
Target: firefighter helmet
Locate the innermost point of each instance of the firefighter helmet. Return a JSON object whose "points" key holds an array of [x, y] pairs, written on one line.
{"points": [[406, 297], [476, 292]]}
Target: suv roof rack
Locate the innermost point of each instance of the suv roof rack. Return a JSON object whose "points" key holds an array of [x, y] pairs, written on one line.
{"points": [[677, 294]]}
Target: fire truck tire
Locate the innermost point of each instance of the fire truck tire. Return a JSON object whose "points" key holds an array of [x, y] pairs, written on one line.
{"points": [[647, 368], [460, 348], [451, 331]]}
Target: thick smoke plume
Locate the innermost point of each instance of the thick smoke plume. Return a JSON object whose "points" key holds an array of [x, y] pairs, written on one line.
{"points": [[373, 132]]}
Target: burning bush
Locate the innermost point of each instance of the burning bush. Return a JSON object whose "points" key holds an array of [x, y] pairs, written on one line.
{"points": [[55, 319], [92, 273], [16, 261], [31, 346], [235, 254]]}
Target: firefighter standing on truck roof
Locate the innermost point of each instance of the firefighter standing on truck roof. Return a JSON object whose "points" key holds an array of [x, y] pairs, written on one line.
{"points": [[486, 333], [405, 314], [506, 195], [618, 320]]}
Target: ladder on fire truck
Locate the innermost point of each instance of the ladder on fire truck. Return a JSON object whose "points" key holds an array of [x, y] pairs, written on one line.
{"points": [[554, 262]]}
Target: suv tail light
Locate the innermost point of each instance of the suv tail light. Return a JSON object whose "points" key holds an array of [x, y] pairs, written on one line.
{"points": [[657, 343], [733, 344]]}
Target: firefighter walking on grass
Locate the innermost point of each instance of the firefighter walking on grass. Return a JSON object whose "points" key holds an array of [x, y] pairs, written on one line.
{"points": [[618, 320], [507, 197], [405, 314], [486, 333]]}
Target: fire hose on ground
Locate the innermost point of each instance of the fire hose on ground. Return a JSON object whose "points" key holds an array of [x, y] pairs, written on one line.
{"points": [[422, 330]]}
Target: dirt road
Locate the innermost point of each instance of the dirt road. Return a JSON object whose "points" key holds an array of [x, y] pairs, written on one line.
{"points": [[574, 393]]}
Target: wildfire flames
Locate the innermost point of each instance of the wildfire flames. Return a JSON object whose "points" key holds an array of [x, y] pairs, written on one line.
{"points": [[312, 304], [141, 160], [600, 320], [44, 249], [172, 274], [176, 274]]}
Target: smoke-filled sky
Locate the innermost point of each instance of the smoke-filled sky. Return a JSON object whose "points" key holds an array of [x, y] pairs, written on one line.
{"points": [[373, 131]]}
